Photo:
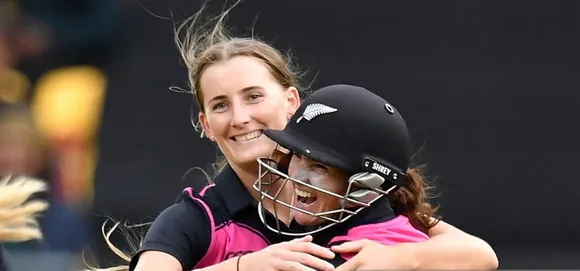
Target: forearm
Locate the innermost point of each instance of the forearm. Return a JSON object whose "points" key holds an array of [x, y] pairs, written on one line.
{"points": [[227, 265], [452, 249]]}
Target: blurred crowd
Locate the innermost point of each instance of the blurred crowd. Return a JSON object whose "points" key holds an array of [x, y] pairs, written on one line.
{"points": [[53, 59]]}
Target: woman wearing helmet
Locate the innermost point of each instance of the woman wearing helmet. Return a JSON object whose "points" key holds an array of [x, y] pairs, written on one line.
{"points": [[348, 162]]}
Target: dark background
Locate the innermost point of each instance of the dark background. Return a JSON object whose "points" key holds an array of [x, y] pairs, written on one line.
{"points": [[489, 90]]}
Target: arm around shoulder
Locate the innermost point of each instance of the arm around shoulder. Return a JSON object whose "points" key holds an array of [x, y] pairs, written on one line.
{"points": [[177, 240], [450, 248]]}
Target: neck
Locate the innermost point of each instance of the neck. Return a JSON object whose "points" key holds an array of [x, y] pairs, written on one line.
{"points": [[248, 174]]}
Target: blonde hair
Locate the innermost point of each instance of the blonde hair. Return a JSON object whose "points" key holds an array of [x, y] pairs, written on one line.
{"points": [[200, 48], [18, 221], [134, 245]]}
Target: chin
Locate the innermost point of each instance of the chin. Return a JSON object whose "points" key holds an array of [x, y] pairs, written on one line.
{"points": [[246, 160], [252, 155], [249, 158], [307, 220]]}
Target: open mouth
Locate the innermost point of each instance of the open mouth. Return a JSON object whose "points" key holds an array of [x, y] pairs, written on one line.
{"points": [[247, 137], [305, 198]]}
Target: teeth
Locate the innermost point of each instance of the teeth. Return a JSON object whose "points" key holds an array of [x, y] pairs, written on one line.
{"points": [[303, 194], [248, 136]]}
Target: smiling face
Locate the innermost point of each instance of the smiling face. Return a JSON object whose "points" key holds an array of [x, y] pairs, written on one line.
{"points": [[241, 98], [318, 175]]}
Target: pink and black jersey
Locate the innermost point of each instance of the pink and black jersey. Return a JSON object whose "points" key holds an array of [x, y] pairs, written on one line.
{"points": [[377, 223], [221, 221], [210, 225]]}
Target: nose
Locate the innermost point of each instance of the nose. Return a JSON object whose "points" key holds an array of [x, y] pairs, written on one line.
{"points": [[241, 116]]}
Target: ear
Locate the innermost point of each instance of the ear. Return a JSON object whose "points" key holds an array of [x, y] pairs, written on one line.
{"points": [[293, 100], [205, 126]]}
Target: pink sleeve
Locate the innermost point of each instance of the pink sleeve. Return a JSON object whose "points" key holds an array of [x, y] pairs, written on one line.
{"points": [[392, 232]]}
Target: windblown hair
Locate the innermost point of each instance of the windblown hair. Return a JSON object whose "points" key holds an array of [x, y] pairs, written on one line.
{"points": [[18, 214], [134, 244], [201, 47]]}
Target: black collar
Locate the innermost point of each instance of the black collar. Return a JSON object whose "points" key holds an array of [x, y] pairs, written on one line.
{"points": [[232, 192]]}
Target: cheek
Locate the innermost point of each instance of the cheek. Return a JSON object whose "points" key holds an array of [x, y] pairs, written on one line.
{"points": [[332, 182], [273, 113], [325, 182], [293, 168], [335, 186], [218, 123], [330, 202], [274, 119]]}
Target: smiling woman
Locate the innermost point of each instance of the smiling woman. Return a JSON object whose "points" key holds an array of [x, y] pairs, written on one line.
{"points": [[313, 201], [242, 98], [339, 167]]}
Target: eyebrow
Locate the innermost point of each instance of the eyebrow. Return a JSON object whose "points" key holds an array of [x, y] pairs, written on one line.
{"points": [[243, 90]]}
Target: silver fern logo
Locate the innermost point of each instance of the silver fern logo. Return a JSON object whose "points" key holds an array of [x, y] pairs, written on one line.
{"points": [[315, 110]]}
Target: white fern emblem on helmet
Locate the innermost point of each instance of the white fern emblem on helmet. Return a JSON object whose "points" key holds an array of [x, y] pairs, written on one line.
{"points": [[315, 110]]}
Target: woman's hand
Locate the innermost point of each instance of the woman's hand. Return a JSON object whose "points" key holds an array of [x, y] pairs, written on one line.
{"points": [[371, 255], [296, 255]]}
